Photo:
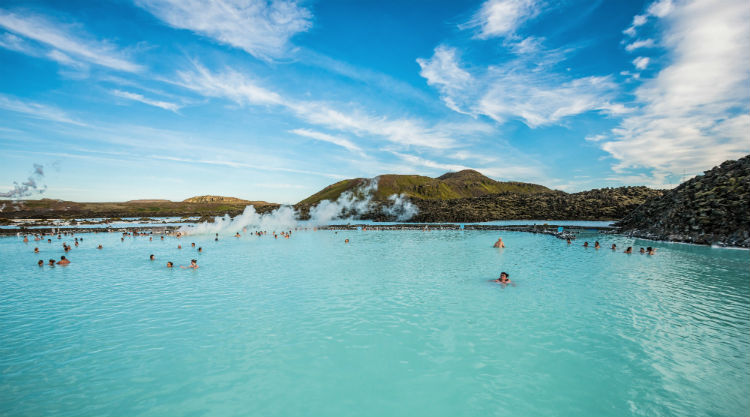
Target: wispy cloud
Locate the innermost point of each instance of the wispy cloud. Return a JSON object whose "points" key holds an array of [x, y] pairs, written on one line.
{"points": [[502, 17], [261, 28], [694, 113], [641, 43], [174, 107], [343, 142], [245, 90], [67, 40], [641, 62], [37, 110], [513, 90]]}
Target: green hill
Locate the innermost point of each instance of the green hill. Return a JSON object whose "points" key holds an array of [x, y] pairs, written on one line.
{"points": [[453, 185]]}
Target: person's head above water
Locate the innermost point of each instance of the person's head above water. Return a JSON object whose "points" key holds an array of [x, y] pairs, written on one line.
{"points": [[151, 257], [40, 263], [170, 264]]}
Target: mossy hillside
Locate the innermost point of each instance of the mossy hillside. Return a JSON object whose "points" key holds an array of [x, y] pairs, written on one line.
{"points": [[463, 184]]}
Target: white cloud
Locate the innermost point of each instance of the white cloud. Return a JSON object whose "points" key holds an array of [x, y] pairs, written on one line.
{"points": [[515, 90], [694, 113], [659, 8], [64, 40], [145, 100], [502, 17], [261, 28], [641, 62], [645, 43], [506, 171], [595, 138], [36, 110], [244, 90], [343, 142]]}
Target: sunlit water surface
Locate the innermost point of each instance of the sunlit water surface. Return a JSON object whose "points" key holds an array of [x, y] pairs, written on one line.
{"points": [[393, 323]]}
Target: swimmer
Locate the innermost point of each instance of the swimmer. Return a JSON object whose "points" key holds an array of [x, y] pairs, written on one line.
{"points": [[629, 249], [49, 240], [36, 250], [63, 261], [216, 239], [51, 262], [170, 264], [568, 241], [193, 265], [614, 247], [504, 278], [650, 250], [179, 246], [40, 263], [25, 239], [162, 238], [499, 243], [99, 247], [346, 240], [192, 244], [642, 251], [596, 245], [200, 250], [151, 257], [585, 244], [237, 234]]}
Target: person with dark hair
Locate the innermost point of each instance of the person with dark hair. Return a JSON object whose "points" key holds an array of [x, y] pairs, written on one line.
{"points": [[585, 244], [51, 262], [192, 244], [36, 250], [650, 251], [614, 247], [170, 264], [629, 250], [504, 278], [99, 247], [63, 261], [568, 241], [200, 249], [193, 264], [40, 263], [596, 245], [642, 251], [151, 257]]}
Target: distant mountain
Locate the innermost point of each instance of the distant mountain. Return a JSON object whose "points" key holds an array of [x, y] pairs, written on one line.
{"points": [[713, 208], [221, 199], [454, 185]]}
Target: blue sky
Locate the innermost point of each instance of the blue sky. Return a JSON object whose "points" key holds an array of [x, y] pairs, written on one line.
{"points": [[274, 100]]}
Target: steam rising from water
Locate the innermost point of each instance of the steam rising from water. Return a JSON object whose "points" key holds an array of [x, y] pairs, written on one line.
{"points": [[350, 205], [26, 188]]}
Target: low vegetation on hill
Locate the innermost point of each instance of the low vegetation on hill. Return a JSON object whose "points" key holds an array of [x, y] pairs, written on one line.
{"points": [[450, 186]]}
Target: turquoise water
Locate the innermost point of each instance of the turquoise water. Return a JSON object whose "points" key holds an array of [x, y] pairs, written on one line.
{"points": [[393, 323]]}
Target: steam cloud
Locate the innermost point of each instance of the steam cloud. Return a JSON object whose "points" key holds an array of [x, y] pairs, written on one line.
{"points": [[349, 206], [27, 188]]}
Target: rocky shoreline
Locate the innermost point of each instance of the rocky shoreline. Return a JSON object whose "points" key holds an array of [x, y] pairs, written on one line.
{"points": [[710, 209]]}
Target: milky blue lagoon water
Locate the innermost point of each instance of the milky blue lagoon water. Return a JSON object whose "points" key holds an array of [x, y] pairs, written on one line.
{"points": [[393, 323]]}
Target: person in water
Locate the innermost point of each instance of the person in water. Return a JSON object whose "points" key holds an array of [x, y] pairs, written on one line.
{"points": [[650, 250], [151, 257], [40, 263], [499, 243], [99, 247], [346, 240], [200, 250], [629, 249], [585, 244], [192, 244], [596, 245], [179, 246], [642, 251], [504, 278], [170, 264], [63, 261], [614, 247], [36, 250], [193, 265], [568, 241], [51, 262]]}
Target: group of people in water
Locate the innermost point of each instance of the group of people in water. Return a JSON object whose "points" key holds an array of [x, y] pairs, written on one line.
{"points": [[648, 251]]}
